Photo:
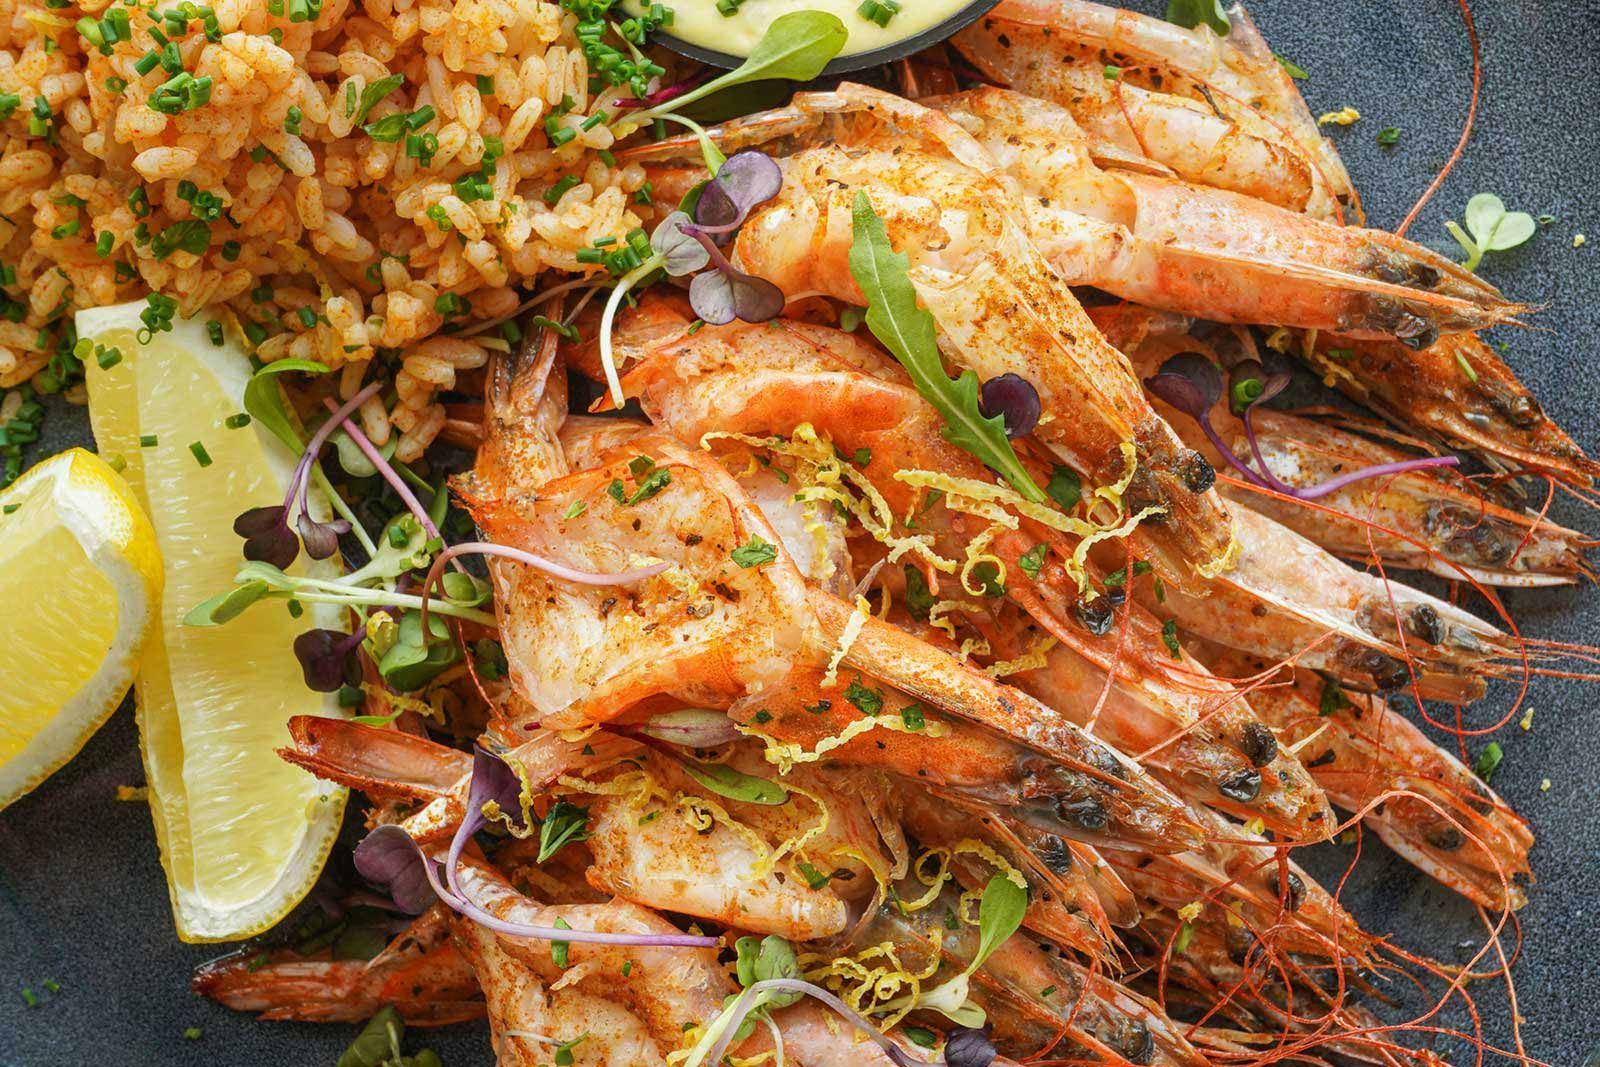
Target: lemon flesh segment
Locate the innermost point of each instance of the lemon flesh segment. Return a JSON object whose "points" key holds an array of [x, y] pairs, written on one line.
{"points": [[80, 579], [243, 834]]}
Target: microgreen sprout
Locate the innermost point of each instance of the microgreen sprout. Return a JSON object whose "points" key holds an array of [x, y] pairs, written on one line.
{"points": [[1193, 385], [265, 529], [390, 857], [1193, 13], [682, 245], [1491, 228]]}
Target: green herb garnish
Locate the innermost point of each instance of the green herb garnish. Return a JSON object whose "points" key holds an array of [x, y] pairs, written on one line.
{"points": [[754, 553], [1488, 761], [727, 782], [564, 824], [1192, 13], [1491, 228], [908, 331]]}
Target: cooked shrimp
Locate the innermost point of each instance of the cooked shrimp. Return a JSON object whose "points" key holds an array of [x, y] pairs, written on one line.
{"points": [[422, 975], [1112, 800], [1424, 519], [1487, 411], [529, 1020], [1360, 750], [663, 989], [703, 633], [686, 849], [778, 378], [1212, 252], [1059, 784], [1234, 149], [974, 267], [1076, 897], [1237, 75], [1240, 870], [1035, 997]]}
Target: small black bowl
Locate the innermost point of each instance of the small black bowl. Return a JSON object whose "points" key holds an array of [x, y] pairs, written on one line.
{"points": [[844, 64]]}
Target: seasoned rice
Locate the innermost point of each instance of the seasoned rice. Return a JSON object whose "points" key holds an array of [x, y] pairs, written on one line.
{"points": [[379, 248]]}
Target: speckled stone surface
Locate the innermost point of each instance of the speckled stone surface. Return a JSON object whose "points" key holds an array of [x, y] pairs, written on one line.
{"points": [[82, 899]]}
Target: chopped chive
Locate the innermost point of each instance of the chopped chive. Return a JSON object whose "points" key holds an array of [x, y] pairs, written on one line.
{"points": [[237, 422], [147, 440], [198, 451]]}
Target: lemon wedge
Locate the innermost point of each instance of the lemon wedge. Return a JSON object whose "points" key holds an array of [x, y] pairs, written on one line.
{"points": [[243, 834], [80, 577]]}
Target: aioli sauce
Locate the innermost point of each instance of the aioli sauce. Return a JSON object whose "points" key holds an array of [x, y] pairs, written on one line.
{"points": [[699, 22]]}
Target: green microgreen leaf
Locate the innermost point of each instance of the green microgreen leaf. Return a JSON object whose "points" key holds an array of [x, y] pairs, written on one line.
{"points": [[1490, 228], [225, 607], [907, 330], [1192, 13], [724, 781], [415, 658]]}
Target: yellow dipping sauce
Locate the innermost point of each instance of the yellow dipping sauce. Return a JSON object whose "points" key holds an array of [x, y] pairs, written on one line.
{"points": [[699, 22]]}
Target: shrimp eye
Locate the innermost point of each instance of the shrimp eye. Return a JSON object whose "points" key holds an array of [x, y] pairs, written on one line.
{"points": [[1445, 837], [1297, 891], [1197, 473], [1259, 745], [1088, 812], [1425, 623], [1240, 941], [1055, 855], [1095, 614], [1243, 786], [1131, 1038]]}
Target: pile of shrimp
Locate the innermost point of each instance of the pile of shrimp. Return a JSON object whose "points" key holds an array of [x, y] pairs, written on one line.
{"points": [[1137, 700]]}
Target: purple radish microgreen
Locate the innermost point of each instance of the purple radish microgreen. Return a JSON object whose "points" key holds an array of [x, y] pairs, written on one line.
{"points": [[1192, 384], [1014, 399], [747, 180], [266, 529], [327, 658], [682, 246], [391, 858]]}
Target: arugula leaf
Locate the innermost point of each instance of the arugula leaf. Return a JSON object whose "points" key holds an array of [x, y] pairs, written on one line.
{"points": [[724, 781], [907, 330], [1192, 13], [795, 47]]}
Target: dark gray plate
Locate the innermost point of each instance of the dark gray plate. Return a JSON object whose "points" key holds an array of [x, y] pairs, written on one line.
{"points": [[83, 901]]}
